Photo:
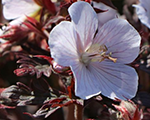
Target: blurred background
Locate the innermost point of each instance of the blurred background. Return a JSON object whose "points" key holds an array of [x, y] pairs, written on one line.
{"points": [[8, 65]]}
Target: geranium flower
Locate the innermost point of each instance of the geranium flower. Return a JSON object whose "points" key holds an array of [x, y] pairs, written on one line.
{"points": [[19, 9], [13, 9], [143, 12], [97, 57]]}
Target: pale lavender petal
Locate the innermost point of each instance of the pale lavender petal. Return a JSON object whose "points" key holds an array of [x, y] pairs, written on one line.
{"points": [[111, 79], [85, 84], [143, 12], [63, 45], [17, 21], [15, 8], [120, 81], [121, 39], [104, 17], [85, 21]]}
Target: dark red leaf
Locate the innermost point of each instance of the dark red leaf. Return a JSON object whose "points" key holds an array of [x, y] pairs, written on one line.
{"points": [[33, 21], [12, 95], [57, 100], [34, 26], [31, 65], [35, 29], [40, 87], [6, 35], [54, 20], [70, 88], [49, 59], [5, 106], [52, 105], [24, 71], [50, 6], [23, 87]]}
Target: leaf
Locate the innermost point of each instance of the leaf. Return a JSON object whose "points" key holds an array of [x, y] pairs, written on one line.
{"points": [[13, 36], [35, 26], [21, 95], [50, 6], [40, 93], [54, 20], [52, 105], [40, 87], [25, 71], [11, 95], [4, 107], [31, 65], [56, 67], [49, 59]]}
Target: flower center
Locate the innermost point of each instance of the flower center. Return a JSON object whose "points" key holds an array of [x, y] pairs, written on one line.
{"points": [[96, 53]]}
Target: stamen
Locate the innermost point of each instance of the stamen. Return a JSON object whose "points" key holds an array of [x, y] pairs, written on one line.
{"points": [[96, 53], [110, 58]]}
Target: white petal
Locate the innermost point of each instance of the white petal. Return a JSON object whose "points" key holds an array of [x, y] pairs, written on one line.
{"points": [[145, 4], [104, 16], [63, 45], [111, 79], [85, 84], [143, 12], [15, 8], [85, 20], [121, 39], [117, 80], [17, 21]]}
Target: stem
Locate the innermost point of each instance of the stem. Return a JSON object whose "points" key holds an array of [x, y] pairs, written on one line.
{"points": [[75, 112], [78, 112]]}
